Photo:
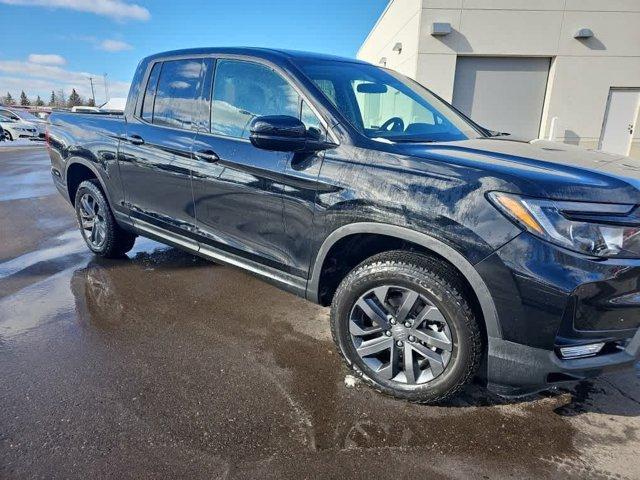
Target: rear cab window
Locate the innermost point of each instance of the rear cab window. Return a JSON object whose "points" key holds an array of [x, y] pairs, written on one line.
{"points": [[172, 93]]}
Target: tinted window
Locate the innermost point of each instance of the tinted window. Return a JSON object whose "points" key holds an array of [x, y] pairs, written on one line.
{"points": [[202, 112], [176, 94], [243, 91], [150, 93], [314, 127]]}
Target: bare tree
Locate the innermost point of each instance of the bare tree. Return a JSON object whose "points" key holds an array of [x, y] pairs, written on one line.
{"points": [[61, 99]]}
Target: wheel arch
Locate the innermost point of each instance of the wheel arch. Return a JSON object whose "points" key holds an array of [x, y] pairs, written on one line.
{"points": [[428, 243], [77, 171]]}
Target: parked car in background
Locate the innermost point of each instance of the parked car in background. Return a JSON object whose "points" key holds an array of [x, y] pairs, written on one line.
{"points": [[444, 249], [42, 115], [84, 109], [19, 114], [15, 129]]}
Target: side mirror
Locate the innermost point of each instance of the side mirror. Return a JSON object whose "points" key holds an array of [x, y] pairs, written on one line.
{"points": [[284, 133], [281, 133]]}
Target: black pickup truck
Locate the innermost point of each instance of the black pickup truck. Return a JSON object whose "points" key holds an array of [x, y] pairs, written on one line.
{"points": [[446, 251]]}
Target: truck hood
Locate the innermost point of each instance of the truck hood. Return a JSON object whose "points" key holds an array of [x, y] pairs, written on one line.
{"points": [[543, 168]]}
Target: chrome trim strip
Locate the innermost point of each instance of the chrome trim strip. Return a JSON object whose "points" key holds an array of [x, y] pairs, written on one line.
{"points": [[166, 235], [283, 280]]}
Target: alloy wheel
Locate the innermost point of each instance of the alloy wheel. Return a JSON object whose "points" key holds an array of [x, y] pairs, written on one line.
{"points": [[92, 221], [400, 335]]}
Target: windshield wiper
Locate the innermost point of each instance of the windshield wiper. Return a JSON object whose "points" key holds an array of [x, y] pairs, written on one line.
{"points": [[412, 140], [493, 133]]}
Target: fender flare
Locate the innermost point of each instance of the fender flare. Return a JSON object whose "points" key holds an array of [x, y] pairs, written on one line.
{"points": [[453, 256], [91, 166]]}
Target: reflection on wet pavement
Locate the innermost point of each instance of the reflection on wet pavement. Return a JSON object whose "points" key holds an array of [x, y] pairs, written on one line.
{"points": [[162, 364]]}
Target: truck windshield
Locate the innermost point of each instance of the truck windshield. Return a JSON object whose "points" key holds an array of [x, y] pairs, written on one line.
{"points": [[387, 106]]}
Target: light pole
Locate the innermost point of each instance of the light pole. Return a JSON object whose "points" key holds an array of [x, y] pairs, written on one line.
{"points": [[106, 89], [93, 95]]}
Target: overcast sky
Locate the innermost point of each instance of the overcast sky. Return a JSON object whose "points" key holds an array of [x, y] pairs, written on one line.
{"points": [[53, 44]]}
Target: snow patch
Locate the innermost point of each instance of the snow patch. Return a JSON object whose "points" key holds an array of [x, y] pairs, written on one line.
{"points": [[350, 381]]}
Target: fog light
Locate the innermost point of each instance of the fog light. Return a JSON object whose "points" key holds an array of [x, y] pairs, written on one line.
{"points": [[581, 350]]}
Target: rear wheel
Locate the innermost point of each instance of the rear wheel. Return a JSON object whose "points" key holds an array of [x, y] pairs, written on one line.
{"points": [[402, 322], [99, 229]]}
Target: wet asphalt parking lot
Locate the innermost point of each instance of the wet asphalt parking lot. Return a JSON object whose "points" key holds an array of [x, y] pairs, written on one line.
{"points": [[164, 365]]}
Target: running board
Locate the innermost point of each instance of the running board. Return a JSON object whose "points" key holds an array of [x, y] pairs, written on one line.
{"points": [[276, 277]]}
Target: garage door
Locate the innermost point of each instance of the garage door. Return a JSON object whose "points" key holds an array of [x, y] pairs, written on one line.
{"points": [[503, 94]]}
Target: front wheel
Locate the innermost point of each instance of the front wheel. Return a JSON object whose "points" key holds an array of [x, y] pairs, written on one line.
{"points": [[403, 323], [101, 233], [8, 136]]}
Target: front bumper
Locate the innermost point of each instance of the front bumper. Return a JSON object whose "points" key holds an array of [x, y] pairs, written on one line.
{"points": [[515, 369], [547, 297]]}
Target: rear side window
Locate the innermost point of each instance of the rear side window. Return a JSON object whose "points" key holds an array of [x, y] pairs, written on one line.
{"points": [[150, 93], [176, 94], [243, 91]]}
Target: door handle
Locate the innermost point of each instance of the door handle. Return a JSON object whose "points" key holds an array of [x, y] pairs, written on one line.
{"points": [[134, 139], [208, 156], [630, 128]]}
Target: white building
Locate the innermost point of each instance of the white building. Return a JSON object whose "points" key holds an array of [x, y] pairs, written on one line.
{"points": [[569, 69]]}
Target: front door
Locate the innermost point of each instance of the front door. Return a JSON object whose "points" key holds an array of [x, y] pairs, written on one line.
{"points": [[620, 120], [237, 187], [155, 155]]}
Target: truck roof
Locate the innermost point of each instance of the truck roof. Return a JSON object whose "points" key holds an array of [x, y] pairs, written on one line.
{"points": [[273, 54]]}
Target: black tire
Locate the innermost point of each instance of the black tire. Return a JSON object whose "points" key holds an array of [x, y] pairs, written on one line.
{"points": [[8, 136], [116, 241], [434, 281]]}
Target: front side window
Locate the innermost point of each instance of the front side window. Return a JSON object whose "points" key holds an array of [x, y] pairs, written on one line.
{"points": [[384, 105], [176, 94], [315, 129], [243, 91]]}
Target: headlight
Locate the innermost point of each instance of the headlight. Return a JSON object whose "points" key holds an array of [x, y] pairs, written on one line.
{"points": [[597, 229]]}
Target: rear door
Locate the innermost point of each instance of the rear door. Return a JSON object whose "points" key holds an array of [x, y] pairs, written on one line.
{"points": [[155, 155]]}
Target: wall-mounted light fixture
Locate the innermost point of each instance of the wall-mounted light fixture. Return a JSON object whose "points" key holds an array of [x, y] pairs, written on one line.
{"points": [[583, 33], [383, 61], [397, 48], [440, 29]]}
